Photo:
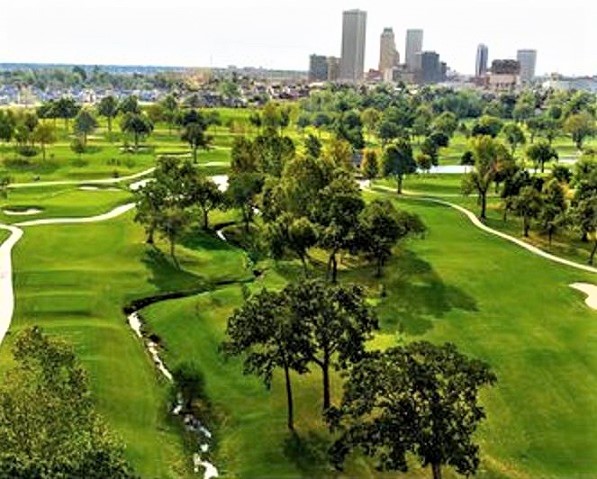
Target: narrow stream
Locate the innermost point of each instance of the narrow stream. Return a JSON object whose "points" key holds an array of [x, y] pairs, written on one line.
{"points": [[192, 424]]}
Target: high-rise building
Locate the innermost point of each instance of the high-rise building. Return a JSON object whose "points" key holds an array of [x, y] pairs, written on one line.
{"points": [[482, 59], [318, 68], [431, 68], [388, 56], [528, 61], [333, 68], [414, 45], [354, 30]]}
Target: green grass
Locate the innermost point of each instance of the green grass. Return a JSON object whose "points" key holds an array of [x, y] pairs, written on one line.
{"points": [[61, 201], [493, 299], [3, 236]]}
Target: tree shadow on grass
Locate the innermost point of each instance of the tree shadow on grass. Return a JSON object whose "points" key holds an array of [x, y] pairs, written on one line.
{"points": [[164, 274], [415, 295], [309, 454], [199, 239]]}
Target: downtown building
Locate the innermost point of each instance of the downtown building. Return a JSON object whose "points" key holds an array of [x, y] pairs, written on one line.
{"points": [[318, 68], [354, 30], [528, 61], [414, 48], [388, 55], [481, 60]]}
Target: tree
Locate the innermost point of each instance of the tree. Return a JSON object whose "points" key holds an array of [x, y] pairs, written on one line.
{"points": [[381, 226], [398, 161], [44, 134], [340, 153], [130, 105], [369, 165], [4, 182], [170, 110], [584, 203], [48, 423], [295, 234], [268, 337], [514, 136], [528, 205], [447, 123], [313, 146], [194, 135], [370, 118], [137, 125], [553, 208], [150, 200], [108, 108], [66, 108], [85, 124], [337, 321], [243, 189], [421, 399], [204, 193], [513, 183], [172, 222], [487, 154], [487, 126], [580, 126], [540, 153], [7, 125], [337, 211], [424, 162]]}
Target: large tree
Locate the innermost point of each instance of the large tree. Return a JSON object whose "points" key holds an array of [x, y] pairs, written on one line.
{"points": [[418, 399], [85, 124], [338, 322], [194, 134], [514, 136], [487, 154], [48, 423], [206, 195], [381, 226], [580, 126], [398, 161], [66, 108], [108, 108], [540, 153], [138, 125], [268, 337], [172, 221], [528, 205], [44, 134]]}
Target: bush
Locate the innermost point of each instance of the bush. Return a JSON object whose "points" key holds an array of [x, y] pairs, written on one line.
{"points": [[190, 383], [27, 151]]}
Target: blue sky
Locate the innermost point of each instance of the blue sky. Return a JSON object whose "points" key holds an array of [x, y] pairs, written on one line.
{"points": [[282, 34]]}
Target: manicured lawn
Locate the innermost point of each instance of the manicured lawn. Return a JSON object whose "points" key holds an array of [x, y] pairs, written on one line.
{"points": [[494, 300]]}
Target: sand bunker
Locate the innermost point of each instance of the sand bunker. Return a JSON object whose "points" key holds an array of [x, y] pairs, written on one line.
{"points": [[590, 290], [96, 188], [27, 212]]}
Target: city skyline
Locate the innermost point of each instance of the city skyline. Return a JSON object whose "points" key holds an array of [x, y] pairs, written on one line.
{"points": [[265, 33]]}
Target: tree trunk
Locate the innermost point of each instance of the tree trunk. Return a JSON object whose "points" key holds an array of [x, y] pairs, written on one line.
{"points": [[592, 257], [43, 151], [399, 184], [194, 154], [379, 266], [290, 404], [542, 167], [325, 369], [305, 267], [437, 471], [334, 269], [172, 251], [525, 226], [149, 239], [205, 219], [109, 125], [483, 198], [505, 215]]}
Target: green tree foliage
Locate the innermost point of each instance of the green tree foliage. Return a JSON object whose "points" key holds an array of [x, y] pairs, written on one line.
{"points": [[268, 337], [553, 208], [418, 399], [48, 424], [170, 108], [138, 125], [488, 154], [528, 205], [584, 203], [108, 108], [313, 146], [487, 126], [580, 126], [7, 125], [130, 105], [243, 189], [337, 324], [370, 165], [205, 194], [514, 136], [540, 153], [194, 134], [381, 227], [44, 134], [398, 161], [172, 222], [150, 199], [85, 125], [66, 108], [446, 123]]}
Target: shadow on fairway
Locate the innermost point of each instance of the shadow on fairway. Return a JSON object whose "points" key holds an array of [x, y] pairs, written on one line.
{"points": [[164, 274], [416, 295], [309, 453]]}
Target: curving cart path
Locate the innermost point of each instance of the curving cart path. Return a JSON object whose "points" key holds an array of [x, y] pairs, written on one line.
{"points": [[100, 181], [6, 286]]}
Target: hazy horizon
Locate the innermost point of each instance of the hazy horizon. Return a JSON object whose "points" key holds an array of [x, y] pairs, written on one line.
{"points": [[282, 36]]}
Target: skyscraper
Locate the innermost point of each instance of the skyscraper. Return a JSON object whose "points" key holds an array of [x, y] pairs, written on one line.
{"points": [[388, 56], [482, 58], [318, 68], [354, 29], [528, 61], [414, 45]]}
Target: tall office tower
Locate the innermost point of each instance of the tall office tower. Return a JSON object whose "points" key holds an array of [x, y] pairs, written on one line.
{"points": [[333, 68], [318, 68], [431, 68], [414, 45], [482, 59], [388, 56], [528, 61], [354, 29]]}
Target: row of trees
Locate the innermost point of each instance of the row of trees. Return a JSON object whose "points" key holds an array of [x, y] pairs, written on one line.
{"points": [[417, 399]]}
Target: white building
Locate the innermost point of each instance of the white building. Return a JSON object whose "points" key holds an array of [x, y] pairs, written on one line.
{"points": [[528, 61], [414, 47]]}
